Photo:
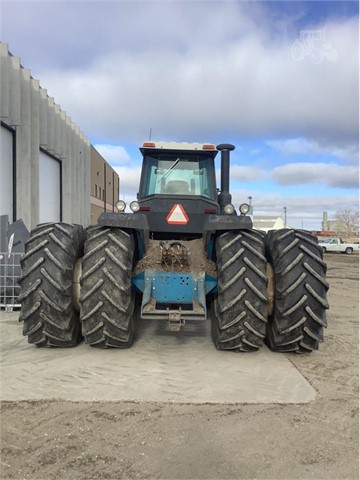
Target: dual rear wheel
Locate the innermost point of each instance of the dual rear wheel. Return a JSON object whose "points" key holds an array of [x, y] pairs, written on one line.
{"points": [[298, 318], [48, 308], [241, 318]]}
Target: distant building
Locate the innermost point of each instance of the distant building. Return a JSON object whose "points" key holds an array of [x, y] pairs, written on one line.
{"points": [[328, 225], [268, 223], [104, 192]]}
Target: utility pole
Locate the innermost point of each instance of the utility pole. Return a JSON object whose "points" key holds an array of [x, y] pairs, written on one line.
{"points": [[251, 212], [285, 216]]}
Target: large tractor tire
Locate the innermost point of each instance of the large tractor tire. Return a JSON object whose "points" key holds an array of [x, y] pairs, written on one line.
{"points": [[300, 302], [107, 302], [239, 313], [46, 297]]}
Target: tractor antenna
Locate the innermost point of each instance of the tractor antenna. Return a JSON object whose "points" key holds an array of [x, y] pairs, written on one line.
{"points": [[150, 133]]}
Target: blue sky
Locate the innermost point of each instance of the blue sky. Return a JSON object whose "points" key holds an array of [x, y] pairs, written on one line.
{"points": [[212, 71]]}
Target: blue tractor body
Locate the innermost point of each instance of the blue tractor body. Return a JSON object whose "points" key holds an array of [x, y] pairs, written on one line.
{"points": [[178, 202]]}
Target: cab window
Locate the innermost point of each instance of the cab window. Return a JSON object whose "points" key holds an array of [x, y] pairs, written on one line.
{"points": [[178, 174]]}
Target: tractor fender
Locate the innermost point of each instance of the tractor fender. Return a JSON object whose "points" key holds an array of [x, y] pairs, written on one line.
{"points": [[214, 224], [135, 223]]}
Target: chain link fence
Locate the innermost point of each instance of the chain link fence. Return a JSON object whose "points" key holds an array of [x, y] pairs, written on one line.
{"points": [[10, 271]]}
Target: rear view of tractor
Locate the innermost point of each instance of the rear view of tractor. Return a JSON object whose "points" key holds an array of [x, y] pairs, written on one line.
{"points": [[183, 254]]}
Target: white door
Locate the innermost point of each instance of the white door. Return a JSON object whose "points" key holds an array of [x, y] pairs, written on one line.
{"points": [[6, 173], [49, 188]]}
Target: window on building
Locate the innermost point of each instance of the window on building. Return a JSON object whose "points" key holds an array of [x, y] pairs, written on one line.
{"points": [[96, 190]]}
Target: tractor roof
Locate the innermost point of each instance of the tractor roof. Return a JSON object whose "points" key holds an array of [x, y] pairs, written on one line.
{"points": [[146, 146]]}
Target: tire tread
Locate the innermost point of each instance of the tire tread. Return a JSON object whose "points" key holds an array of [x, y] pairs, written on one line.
{"points": [[107, 302], [300, 291], [47, 310], [239, 315]]}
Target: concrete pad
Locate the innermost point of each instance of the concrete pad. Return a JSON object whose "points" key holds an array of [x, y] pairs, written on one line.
{"points": [[162, 366]]}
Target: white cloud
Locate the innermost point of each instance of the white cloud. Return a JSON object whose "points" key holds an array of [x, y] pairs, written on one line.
{"points": [[129, 181], [242, 173], [302, 211], [113, 154], [246, 173], [317, 173], [187, 83], [291, 146], [309, 205]]}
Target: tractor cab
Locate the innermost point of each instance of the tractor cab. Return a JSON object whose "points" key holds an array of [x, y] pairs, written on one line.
{"points": [[178, 172], [177, 187]]}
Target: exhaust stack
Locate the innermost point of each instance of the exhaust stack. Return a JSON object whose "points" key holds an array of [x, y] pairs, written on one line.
{"points": [[224, 195]]}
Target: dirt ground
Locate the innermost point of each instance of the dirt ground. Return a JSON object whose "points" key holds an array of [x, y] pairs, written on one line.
{"points": [[104, 440]]}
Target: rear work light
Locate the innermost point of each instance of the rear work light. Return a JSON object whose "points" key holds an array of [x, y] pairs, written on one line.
{"points": [[229, 209], [134, 206], [244, 208], [120, 205]]}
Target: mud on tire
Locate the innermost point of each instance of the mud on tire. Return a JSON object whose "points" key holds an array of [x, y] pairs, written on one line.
{"points": [[239, 313], [107, 302], [298, 319], [46, 295]]}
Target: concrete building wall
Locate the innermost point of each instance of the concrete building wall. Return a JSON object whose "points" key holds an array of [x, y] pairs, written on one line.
{"points": [[104, 186], [38, 124]]}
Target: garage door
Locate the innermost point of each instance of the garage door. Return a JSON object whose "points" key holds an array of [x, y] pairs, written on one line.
{"points": [[6, 175], [49, 188]]}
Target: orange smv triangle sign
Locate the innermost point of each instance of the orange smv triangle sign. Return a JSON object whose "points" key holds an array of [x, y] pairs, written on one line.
{"points": [[177, 215]]}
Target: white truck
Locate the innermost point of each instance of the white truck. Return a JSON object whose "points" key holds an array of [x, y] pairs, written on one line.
{"points": [[337, 245]]}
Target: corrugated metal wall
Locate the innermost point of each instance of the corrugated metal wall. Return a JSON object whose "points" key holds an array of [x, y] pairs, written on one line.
{"points": [[40, 125]]}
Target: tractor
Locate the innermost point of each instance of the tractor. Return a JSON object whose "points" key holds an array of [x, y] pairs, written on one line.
{"points": [[183, 254]]}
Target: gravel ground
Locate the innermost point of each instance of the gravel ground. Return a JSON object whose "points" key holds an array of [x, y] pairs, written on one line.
{"points": [[118, 440]]}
